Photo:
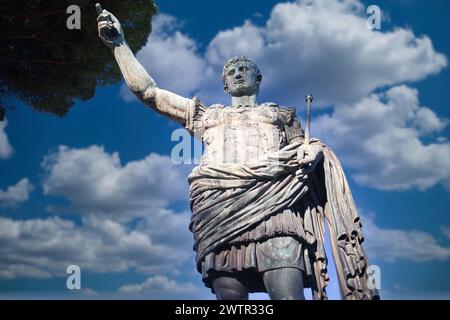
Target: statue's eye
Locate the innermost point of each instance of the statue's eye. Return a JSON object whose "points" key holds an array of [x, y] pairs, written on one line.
{"points": [[231, 72], [243, 69]]}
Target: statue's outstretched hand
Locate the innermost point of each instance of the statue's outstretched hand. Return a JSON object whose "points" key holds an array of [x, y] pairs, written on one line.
{"points": [[309, 154], [109, 29]]}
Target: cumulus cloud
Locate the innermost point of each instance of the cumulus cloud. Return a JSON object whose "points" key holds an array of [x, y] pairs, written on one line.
{"points": [[125, 222], [16, 194], [171, 57], [325, 47], [395, 244], [380, 138], [40, 248], [5, 147], [96, 182], [161, 287], [317, 46], [314, 46], [445, 230]]}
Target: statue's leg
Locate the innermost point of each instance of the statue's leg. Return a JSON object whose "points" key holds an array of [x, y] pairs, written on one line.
{"points": [[229, 288], [284, 284], [280, 259]]}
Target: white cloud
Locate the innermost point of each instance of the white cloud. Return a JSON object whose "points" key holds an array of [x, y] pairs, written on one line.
{"points": [[395, 244], [380, 139], [40, 248], [5, 147], [306, 46], [125, 224], [95, 181], [161, 287], [16, 194], [325, 47], [171, 58], [317, 46], [445, 230]]}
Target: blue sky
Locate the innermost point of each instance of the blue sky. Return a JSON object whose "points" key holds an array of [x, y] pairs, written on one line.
{"points": [[97, 188]]}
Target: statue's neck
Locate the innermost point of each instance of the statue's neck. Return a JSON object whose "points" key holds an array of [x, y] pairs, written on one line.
{"points": [[244, 101]]}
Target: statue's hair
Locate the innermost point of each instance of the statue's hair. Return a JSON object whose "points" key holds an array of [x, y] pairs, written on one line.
{"points": [[235, 60]]}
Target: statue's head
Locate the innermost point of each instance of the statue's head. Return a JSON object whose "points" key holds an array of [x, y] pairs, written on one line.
{"points": [[241, 77]]}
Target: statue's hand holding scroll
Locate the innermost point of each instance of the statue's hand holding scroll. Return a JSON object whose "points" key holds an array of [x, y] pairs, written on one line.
{"points": [[109, 29]]}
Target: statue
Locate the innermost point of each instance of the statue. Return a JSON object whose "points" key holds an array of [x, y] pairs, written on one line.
{"points": [[262, 191]]}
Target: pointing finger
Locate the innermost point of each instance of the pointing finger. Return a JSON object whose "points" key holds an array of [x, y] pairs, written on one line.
{"points": [[98, 7]]}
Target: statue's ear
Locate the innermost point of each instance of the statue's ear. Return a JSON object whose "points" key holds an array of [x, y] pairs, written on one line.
{"points": [[225, 88], [258, 80]]}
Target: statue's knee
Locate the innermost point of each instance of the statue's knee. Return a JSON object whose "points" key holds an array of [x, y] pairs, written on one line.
{"points": [[230, 294], [284, 284], [229, 288]]}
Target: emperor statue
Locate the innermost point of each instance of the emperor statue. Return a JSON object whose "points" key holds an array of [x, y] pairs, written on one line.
{"points": [[261, 193]]}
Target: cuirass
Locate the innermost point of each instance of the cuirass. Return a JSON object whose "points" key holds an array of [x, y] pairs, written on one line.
{"points": [[239, 134]]}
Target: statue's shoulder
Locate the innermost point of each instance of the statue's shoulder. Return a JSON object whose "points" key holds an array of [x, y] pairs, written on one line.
{"points": [[269, 104], [200, 109], [287, 113], [287, 110], [200, 103], [214, 111], [216, 106]]}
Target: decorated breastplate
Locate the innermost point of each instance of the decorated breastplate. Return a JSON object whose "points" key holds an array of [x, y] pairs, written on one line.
{"points": [[238, 134]]}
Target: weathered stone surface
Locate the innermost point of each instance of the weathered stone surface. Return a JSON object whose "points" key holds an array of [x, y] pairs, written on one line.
{"points": [[260, 192]]}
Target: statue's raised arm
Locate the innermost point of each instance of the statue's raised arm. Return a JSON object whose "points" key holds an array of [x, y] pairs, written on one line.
{"points": [[136, 77]]}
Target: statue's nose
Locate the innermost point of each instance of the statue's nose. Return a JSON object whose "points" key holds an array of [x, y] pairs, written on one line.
{"points": [[238, 76]]}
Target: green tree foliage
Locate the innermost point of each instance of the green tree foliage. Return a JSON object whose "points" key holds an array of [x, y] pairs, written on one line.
{"points": [[50, 67]]}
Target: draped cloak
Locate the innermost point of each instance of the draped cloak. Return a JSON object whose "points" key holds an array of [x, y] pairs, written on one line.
{"points": [[229, 199]]}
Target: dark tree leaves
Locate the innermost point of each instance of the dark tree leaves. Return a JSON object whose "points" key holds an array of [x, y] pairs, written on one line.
{"points": [[50, 67]]}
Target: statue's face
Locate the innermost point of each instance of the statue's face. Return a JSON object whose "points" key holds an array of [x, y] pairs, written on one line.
{"points": [[241, 79]]}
